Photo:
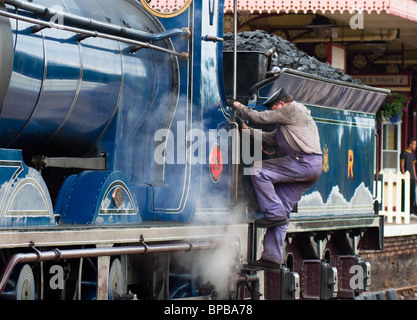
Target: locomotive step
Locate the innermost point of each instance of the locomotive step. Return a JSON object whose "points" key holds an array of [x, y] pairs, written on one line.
{"points": [[249, 268]]}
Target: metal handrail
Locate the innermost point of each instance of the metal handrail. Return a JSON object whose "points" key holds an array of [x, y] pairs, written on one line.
{"points": [[73, 20], [88, 33]]}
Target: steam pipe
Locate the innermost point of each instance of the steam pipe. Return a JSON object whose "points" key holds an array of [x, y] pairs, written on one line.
{"points": [[56, 254], [95, 25]]}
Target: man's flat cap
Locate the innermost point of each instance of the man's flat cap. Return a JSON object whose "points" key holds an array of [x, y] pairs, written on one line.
{"points": [[275, 97]]}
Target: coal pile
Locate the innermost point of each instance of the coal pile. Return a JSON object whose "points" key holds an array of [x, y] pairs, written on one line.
{"points": [[287, 55]]}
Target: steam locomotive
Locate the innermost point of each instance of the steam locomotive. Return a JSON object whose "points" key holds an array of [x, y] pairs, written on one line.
{"points": [[120, 171]]}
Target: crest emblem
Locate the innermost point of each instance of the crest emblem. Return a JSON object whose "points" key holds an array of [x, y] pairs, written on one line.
{"points": [[325, 159], [166, 9]]}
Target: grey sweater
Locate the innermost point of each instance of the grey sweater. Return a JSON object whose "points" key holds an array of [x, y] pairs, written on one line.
{"points": [[296, 124]]}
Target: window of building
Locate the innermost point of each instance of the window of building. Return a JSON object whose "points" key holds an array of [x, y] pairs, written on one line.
{"points": [[391, 142]]}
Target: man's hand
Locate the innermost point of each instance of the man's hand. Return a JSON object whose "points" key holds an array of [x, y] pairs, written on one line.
{"points": [[244, 126], [235, 104]]}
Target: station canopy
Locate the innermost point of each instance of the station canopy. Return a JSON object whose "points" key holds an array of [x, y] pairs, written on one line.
{"points": [[406, 9]]}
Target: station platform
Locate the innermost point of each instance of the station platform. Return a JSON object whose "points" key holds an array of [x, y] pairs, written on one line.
{"points": [[396, 230]]}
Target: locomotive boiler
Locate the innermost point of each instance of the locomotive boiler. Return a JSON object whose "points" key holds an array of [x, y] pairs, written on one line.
{"points": [[119, 161]]}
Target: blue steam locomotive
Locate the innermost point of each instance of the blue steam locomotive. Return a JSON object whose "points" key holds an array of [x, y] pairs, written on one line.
{"points": [[120, 171]]}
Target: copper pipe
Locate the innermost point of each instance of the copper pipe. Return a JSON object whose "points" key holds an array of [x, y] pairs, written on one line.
{"points": [[56, 254], [246, 277], [243, 277]]}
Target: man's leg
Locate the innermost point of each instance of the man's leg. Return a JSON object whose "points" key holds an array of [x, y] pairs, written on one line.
{"points": [[289, 194], [273, 243], [278, 171], [279, 185], [269, 202], [273, 171]]}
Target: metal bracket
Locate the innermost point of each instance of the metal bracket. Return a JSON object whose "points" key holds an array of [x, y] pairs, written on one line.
{"points": [[38, 253], [142, 242], [191, 246]]}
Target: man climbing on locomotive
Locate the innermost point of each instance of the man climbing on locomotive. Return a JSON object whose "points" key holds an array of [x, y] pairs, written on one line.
{"points": [[279, 183]]}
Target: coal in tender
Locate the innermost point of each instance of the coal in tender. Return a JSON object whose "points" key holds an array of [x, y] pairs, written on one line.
{"points": [[286, 55]]}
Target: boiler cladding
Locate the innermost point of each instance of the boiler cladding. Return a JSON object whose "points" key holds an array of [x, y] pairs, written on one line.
{"points": [[59, 95]]}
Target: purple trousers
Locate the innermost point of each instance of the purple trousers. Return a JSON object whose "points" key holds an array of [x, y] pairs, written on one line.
{"points": [[279, 185]]}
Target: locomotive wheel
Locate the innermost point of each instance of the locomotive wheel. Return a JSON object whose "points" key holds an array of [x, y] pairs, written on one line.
{"points": [[21, 285], [25, 287], [88, 278], [117, 280], [184, 276]]}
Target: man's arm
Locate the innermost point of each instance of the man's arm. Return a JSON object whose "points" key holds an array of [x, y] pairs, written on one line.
{"points": [[402, 163], [285, 115]]}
